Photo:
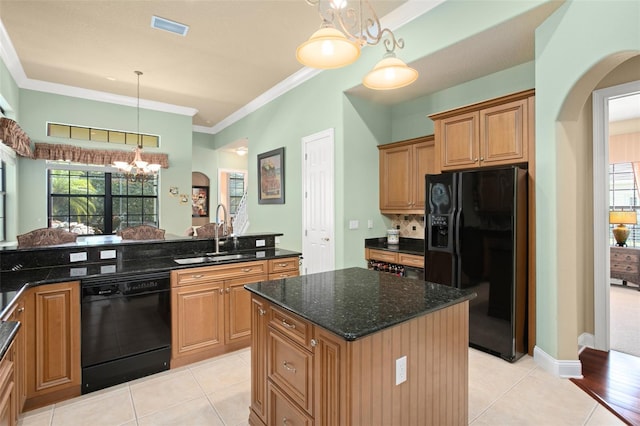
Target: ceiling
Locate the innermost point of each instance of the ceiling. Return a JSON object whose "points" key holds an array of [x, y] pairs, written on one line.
{"points": [[235, 51]]}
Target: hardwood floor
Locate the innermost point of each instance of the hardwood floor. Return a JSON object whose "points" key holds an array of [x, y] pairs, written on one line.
{"points": [[613, 379]]}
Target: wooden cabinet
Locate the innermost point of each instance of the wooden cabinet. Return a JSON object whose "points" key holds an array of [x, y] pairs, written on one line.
{"points": [[8, 404], [402, 169], [19, 354], [211, 310], [406, 259], [625, 264], [314, 377], [492, 133], [284, 268], [53, 343]]}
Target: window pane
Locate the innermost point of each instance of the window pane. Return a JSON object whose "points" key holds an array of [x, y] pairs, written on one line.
{"points": [[60, 206], [134, 206], [80, 133]]}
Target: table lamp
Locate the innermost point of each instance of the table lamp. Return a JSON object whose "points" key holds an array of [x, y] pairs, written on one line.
{"points": [[622, 218]]}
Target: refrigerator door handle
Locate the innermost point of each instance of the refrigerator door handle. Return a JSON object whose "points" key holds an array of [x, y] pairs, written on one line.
{"points": [[456, 225]]}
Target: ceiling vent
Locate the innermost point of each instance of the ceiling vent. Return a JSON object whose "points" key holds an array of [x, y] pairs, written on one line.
{"points": [[167, 25]]}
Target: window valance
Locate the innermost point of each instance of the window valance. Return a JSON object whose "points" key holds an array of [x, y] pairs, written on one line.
{"points": [[15, 138], [105, 157]]}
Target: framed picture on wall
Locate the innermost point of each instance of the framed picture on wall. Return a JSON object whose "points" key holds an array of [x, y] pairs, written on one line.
{"points": [[271, 177], [200, 201]]}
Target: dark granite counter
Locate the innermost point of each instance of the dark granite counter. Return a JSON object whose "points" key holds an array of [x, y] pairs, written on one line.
{"points": [[355, 302], [14, 282], [406, 245]]}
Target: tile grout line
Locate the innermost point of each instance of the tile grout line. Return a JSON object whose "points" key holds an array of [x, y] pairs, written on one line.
{"points": [[207, 397]]}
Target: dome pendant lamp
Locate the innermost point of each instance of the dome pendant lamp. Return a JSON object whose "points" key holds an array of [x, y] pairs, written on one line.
{"points": [[328, 48], [390, 73]]}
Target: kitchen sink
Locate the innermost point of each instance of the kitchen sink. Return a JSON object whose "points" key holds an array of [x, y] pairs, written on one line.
{"points": [[212, 257]]}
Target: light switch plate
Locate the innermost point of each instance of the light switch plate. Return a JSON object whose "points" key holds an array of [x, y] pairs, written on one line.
{"points": [[260, 243], [353, 224]]}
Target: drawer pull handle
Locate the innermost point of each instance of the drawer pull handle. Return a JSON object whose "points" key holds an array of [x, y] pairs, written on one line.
{"points": [[197, 276], [284, 421], [228, 290], [20, 310], [283, 265], [314, 343], [261, 311], [287, 325], [247, 269], [288, 366]]}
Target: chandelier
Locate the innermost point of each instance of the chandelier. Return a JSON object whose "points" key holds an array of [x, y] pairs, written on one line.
{"points": [[138, 170], [344, 31]]}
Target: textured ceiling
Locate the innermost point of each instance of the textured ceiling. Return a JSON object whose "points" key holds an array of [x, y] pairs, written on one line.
{"points": [[234, 52]]}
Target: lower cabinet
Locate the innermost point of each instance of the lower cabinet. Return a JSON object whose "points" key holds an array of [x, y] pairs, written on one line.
{"points": [[18, 354], [211, 310], [297, 370], [53, 343], [8, 394], [284, 268]]}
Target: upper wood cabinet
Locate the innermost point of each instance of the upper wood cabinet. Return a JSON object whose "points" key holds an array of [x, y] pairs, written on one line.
{"points": [[491, 133], [402, 169]]}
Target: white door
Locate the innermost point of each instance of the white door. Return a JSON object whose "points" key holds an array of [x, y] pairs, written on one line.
{"points": [[318, 246]]}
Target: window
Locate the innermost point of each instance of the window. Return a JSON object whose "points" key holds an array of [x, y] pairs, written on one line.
{"points": [[3, 199], [96, 202], [100, 135], [623, 195], [236, 191]]}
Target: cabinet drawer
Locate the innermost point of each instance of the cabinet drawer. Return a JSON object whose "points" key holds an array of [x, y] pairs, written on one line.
{"points": [[284, 412], [291, 368], [411, 260], [281, 265], [383, 256], [622, 257], [284, 274], [627, 268], [291, 326], [209, 273]]}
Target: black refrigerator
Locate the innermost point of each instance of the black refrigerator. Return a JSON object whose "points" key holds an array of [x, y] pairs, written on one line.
{"points": [[476, 238]]}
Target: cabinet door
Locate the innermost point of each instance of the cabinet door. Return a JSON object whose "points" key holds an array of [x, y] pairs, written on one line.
{"points": [[331, 370], [259, 321], [238, 308], [458, 138], [504, 134], [198, 316], [396, 171], [53, 339], [423, 163]]}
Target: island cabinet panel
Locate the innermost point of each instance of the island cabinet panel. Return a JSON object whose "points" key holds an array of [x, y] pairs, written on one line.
{"points": [[331, 381], [53, 343], [211, 310], [259, 324]]}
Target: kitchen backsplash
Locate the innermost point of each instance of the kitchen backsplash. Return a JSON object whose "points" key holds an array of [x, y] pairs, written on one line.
{"points": [[410, 226]]}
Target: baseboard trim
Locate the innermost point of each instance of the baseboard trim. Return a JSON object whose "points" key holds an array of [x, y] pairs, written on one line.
{"points": [[586, 340], [560, 368]]}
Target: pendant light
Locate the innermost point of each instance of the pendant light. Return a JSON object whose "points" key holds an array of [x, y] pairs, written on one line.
{"points": [[138, 170]]}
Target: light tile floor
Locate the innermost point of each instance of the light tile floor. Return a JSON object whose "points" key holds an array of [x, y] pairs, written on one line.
{"points": [[216, 392]]}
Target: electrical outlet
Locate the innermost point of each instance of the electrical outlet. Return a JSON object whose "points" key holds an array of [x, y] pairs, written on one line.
{"points": [[401, 370], [78, 257], [107, 254], [370, 224]]}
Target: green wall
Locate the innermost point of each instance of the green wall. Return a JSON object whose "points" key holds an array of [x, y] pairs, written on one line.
{"points": [[37, 108]]}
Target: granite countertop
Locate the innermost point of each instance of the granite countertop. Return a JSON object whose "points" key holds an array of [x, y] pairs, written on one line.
{"points": [[8, 330], [12, 282], [406, 245], [355, 302]]}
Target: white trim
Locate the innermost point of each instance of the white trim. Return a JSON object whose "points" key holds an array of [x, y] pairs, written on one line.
{"points": [[7, 154], [586, 340], [566, 369], [601, 270]]}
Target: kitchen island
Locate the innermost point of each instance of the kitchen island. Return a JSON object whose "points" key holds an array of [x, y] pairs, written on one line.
{"points": [[355, 347]]}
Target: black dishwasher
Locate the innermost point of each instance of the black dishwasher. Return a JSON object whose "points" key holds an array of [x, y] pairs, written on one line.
{"points": [[126, 328]]}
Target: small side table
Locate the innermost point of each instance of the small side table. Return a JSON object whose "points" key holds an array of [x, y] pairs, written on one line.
{"points": [[625, 264]]}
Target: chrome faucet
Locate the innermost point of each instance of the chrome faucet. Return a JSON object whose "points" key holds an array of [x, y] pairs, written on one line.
{"points": [[225, 230]]}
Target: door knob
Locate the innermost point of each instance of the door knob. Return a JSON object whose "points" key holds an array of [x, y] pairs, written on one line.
{"points": [[325, 239]]}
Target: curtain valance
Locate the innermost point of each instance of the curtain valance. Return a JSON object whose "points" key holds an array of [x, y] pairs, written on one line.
{"points": [[14, 137], [105, 157]]}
